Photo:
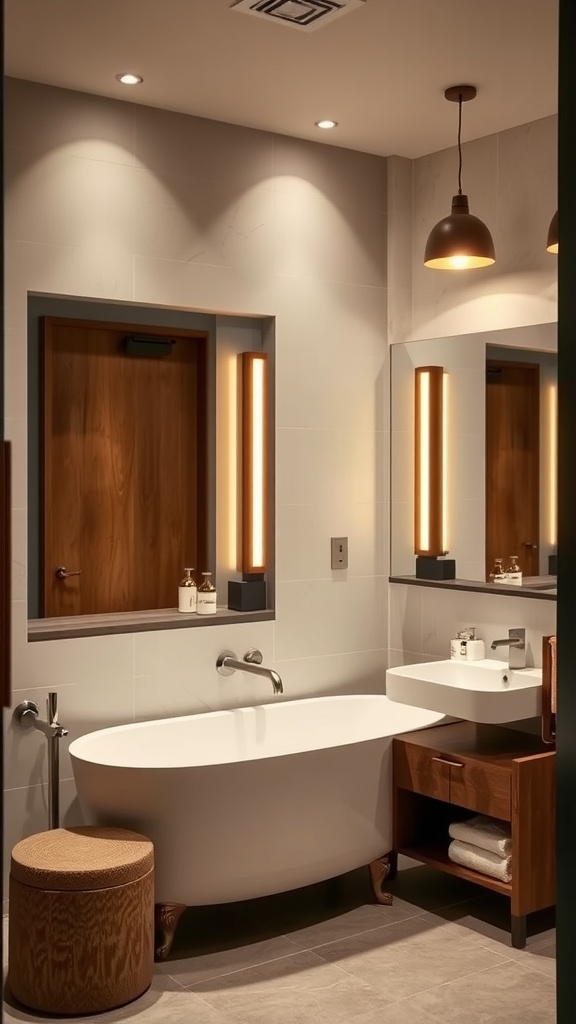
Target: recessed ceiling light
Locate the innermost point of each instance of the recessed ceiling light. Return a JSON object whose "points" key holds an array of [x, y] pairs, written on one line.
{"points": [[129, 79], [326, 122]]}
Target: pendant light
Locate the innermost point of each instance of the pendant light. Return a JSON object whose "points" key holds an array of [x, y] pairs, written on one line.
{"points": [[552, 243], [460, 241]]}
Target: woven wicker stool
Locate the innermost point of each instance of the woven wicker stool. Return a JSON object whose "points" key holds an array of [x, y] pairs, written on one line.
{"points": [[81, 919]]}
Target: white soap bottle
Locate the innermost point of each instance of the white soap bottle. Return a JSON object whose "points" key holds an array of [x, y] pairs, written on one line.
{"points": [[187, 593], [206, 601]]}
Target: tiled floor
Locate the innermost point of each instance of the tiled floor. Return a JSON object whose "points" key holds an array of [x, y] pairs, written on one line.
{"points": [[441, 953]]}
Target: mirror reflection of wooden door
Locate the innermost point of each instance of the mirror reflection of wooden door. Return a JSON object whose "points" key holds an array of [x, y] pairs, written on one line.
{"points": [[512, 464], [124, 453], [5, 574]]}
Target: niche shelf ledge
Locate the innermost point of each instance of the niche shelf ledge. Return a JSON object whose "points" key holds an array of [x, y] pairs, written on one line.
{"points": [[67, 628]]}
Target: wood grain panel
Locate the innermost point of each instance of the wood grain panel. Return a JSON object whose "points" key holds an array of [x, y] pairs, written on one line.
{"points": [[549, 688], [534, 833], [512, 464], [483, 787], [421, 771], [80, 952], [5, 574], [124, 467]]}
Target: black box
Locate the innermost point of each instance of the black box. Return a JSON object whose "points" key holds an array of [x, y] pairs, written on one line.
{"points": [[246, 595], [552, 565], [428, 568]]}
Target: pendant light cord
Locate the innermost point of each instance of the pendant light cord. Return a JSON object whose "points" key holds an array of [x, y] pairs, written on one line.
{"points": [[459, 144]]}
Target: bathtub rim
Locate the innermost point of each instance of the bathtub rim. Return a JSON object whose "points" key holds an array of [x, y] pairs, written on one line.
{"points": [[78, 747]]}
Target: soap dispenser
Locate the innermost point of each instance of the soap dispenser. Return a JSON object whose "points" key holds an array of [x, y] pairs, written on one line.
{"points": [[475, 648], [458, 646], [206, 596], [187, 593], [466, 646]]}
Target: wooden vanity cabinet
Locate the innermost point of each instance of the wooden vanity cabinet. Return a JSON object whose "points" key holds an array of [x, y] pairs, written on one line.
{"points": [[451, 772]]}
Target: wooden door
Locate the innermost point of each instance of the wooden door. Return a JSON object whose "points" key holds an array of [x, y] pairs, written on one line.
{"points": [[5, 574], [512, 464], [124, 458]]}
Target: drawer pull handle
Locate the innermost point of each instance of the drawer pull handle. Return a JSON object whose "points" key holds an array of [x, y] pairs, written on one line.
{"points": [[444, 760]]}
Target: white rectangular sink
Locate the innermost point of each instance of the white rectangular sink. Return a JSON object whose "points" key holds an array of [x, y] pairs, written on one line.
{"points": [[478, 691]]}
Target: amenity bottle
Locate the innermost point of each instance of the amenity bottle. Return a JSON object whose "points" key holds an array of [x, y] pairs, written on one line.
{"points": [[206, 602], [513, 573], [497, 572], [187, 593]]}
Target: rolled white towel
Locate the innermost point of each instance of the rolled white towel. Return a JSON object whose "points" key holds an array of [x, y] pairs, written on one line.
{"points": [[485, 832], [480, 860]]}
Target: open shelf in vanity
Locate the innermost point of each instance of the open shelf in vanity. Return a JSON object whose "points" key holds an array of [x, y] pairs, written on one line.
{"points": [[449, 773]]}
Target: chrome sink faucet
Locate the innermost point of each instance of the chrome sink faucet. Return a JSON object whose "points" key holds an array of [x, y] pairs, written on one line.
{"points": [[227, 663], [516, 644]]}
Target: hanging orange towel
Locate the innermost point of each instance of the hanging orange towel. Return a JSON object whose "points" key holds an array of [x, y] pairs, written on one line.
{"points": [[552, 642]]}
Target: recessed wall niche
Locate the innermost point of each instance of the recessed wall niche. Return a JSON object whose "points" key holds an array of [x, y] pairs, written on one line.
{"points": [[223, 337]]}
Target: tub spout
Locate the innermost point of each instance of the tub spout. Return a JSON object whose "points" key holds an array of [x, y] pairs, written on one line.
{"points": [[276, 682], [227, 663]]}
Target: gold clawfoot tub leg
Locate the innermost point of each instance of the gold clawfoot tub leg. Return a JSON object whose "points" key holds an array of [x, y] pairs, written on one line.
{"points": [[381, 869], [166, 918]]}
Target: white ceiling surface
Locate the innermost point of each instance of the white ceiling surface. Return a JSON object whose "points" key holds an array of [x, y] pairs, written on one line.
{"points": [[379, 70]]}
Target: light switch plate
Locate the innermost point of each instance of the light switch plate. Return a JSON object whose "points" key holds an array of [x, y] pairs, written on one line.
{"points": [[339, 552]]}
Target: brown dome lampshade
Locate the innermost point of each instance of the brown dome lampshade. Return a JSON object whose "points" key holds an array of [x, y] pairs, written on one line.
{"points": [[552, 243], [460, 241]]}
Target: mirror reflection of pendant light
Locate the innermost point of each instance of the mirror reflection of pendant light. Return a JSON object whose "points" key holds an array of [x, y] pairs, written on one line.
{"points": [[552, 243], [460, 241]]}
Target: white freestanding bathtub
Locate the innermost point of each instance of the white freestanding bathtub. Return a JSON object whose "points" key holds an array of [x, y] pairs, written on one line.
{"points": [[251, 801]]}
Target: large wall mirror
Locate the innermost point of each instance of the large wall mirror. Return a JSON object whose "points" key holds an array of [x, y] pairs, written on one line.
{"points": [[500, 451]]}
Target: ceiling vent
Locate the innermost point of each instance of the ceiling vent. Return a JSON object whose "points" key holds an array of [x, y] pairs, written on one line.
{"points": [[303, 14]]}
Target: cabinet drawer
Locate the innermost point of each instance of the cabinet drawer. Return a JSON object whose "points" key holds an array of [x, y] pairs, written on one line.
{"points": [[465, 781], [481, 787], [421, 770]]}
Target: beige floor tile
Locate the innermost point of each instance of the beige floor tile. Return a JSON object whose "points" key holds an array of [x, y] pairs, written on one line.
{"points": [[197, 965], [398, 1013], [538, 956], [507, 994], [328, 928], [410, 956], [294, 990]]}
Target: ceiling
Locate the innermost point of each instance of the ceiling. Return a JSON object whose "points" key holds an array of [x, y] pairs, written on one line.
{"points": [[379, 70]]}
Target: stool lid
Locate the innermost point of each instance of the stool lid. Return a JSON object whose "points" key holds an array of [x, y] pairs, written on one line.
{"points": [[82, 858]]}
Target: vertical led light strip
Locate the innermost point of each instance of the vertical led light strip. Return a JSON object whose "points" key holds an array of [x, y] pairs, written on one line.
{"points": [[444, 470], [553, 463], [254, 457], [423, 462], [429, 461]]}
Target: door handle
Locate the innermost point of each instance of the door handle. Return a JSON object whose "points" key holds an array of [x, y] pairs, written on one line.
{"points": [[527, 544], [62, 573]]}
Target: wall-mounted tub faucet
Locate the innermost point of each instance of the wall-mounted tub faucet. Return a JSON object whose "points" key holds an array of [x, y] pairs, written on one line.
{"points": [[227, 663], [516, 644]]}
